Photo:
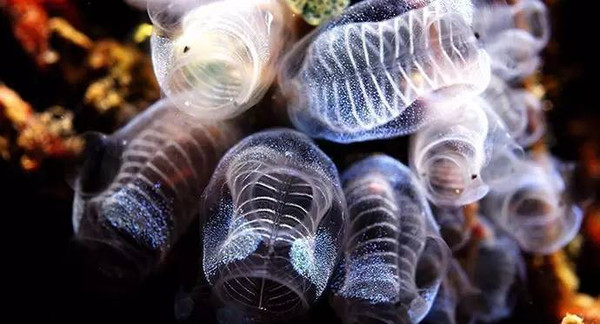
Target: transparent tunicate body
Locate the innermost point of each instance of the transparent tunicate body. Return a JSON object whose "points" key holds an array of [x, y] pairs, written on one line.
{"points": [[275, 224], [139, 188], [453, 226], [454, 290], [216, 58], [519, 110], [532, 204], [448, 154], [394, 258], [364, 74], [513, 35], [496, 270]]}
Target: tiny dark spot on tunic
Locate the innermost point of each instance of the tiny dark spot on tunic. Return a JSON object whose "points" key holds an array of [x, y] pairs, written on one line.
{"points": [[186, 49], [473, 176]]}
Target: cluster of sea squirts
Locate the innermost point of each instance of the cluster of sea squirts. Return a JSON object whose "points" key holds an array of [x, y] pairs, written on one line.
{"points": [[281, 226]]}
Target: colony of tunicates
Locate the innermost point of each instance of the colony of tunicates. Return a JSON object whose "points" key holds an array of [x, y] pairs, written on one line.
{"points": [[282, 226], [137, 191]]}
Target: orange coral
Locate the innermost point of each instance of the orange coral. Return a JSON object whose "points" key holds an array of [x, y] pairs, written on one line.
{"points": [[119, 87], [31, 26], [49, 134], [39, 135], [14, 108], [559, 285]]}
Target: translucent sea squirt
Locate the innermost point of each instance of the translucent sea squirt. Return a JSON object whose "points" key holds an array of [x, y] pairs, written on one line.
{"points": [[216, 59], [363, 75], [533, 204], [394, 258], [138, 189], [275, 221]]}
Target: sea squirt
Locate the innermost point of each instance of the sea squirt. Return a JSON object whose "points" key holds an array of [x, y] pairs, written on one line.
{"points": [[275, 221], [394, 258], [533, 204], [363, 75], [216, 59], [139, 188]]}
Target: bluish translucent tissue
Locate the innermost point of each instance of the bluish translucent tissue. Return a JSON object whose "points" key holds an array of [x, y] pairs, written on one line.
{"points": [[365, 74], [139, 188], [394, 258], [275, 222]]}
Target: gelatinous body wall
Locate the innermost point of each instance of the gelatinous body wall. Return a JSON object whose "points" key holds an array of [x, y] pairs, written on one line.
{"points": [[448, 154], [275, 222], [518, 109], [216, 59], [513, 35], [532, 204], [139, 188], [394, 257], [355, 81], [454, 290], [497, 271], [454, 228]]}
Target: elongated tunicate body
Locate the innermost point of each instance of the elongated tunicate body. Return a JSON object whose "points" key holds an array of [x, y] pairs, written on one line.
{"points": [[496, 271], [362, 76], [453, 226], [394, 258], [455, 288], [532, 204], [275, 223], [139, 188], [216, 59], [513, 35]]}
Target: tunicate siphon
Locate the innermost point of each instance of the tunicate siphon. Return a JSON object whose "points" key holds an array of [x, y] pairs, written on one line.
{"points": [[216, 59], [513, 35], [275, 222], [139, 188], [448, 154], [394, 258], [533, 204], [362, 75]]}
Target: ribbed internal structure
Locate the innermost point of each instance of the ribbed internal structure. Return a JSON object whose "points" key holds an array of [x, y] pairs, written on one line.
{"points": [[369, 73]]}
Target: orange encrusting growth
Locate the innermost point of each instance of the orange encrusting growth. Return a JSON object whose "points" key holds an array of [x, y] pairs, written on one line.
{"points": [[36, 136], [32, 26]]}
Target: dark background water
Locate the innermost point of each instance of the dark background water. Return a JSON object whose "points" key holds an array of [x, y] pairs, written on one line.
{"points": [[47, 274]]}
